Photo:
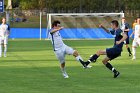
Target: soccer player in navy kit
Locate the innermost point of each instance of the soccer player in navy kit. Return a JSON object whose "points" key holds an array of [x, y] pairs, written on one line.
{"points": [[126, 28], [112, 52]]}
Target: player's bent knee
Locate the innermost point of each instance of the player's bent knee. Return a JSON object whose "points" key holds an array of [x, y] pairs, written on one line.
{"points": [[75, 53], [104, 62], [134, 47], [99, 52]]}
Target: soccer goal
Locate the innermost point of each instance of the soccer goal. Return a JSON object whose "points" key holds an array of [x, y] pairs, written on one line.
{"points": [[83, 25]]}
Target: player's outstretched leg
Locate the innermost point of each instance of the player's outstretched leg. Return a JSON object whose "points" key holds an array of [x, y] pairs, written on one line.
{"points": [[80, 59], [110, 67], [94, 57], [64, 73]]}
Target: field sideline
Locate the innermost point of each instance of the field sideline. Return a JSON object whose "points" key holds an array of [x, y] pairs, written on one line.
{"points": [[31, 67]]}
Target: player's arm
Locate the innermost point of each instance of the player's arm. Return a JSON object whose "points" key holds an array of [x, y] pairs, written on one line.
{"points": [[126, 30], [55, 30], [123, 39], [101, 26]]}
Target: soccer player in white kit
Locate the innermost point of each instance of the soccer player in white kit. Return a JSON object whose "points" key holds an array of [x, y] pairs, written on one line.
{"points": [[4, 33], [136, 41], [60, 48]]}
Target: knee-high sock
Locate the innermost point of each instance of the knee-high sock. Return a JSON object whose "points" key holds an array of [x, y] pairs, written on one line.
{"points": [[78, 58], [93, 58], [110, 67], [63, 70], [128, 49], [5, 49], [134, 51]]}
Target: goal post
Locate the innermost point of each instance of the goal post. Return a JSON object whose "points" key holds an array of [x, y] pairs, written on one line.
{"points": [[82, 21]]}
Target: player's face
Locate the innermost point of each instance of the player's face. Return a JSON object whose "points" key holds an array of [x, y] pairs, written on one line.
{"points": [[58, 26], [112, 26], [138, 20], [123, 21], [4, 20]]}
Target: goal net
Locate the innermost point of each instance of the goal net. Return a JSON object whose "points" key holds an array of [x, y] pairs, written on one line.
{"points": [[84, 25]]}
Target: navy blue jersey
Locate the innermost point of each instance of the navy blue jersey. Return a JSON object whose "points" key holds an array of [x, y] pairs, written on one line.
{"points": [[118, 36], [127, 26]]}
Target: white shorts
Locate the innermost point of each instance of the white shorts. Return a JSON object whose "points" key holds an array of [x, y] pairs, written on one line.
{"points": [[136, 42], [60, 54], [3, 40]]}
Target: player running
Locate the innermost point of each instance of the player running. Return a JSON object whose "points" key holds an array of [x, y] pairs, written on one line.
{"points": [[126, 28], [60, 48], [113, 52], [136, 40], [4, 33]]}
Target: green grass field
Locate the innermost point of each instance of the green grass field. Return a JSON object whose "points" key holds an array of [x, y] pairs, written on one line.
{"points": [[31, 67]]}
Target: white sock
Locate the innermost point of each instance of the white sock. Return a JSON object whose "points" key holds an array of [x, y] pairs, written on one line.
{"points": [[63, 70], [78, 57], [5, 50], [134, 52], [0, 50]]}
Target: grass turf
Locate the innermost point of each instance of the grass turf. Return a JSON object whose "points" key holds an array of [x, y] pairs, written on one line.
{"points": [[31, 67]]}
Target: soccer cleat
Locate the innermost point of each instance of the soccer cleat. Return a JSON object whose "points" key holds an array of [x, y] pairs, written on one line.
{"points": [[88, 66], [65, 75], [130, 54], [5, 56], [134, 58], [116, 74], [85, 64]]}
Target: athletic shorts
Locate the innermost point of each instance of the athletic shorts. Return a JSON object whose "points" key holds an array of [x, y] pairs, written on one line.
{"points": [[3, 40], [127, 40], [60, 54], [136, 42], [113, 53]]}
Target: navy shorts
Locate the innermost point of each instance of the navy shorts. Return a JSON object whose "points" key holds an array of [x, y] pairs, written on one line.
{"points": [[126, 41], [113, 53]]}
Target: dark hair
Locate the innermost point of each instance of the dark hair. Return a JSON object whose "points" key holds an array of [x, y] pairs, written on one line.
{"points": [[115, 22], [55, 23], [3, 18], [138, 17]]}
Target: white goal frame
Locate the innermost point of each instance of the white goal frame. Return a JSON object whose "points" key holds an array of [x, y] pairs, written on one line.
{"points": [[49, 16]]}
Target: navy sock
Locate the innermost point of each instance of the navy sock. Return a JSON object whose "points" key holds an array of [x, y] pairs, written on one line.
{"points": [[93, 58], [128, 49], [110, 67]]}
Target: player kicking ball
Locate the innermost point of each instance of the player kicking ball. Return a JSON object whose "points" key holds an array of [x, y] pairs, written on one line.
{"points": [[60, 48], [112, 52]]}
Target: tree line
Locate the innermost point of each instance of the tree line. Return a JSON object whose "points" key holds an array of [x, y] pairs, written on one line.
{"points": [[77, 6]]}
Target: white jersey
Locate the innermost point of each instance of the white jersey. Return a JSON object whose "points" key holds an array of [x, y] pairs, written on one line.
{"points": [[56, 40], [4, 30], [123, 27], [137, 31]]}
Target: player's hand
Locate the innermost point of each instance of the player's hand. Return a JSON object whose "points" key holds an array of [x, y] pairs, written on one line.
{"points": [[100, 25], [118, 42], [61, 28]]}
